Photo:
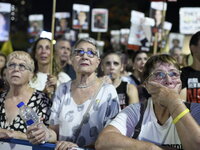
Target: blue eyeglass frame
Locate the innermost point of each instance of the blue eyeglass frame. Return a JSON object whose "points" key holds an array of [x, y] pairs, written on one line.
{"points": [[89, 53]]}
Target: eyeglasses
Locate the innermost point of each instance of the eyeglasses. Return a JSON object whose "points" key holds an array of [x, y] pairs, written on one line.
{"points": [[80, 52], [160, 75], [21, 67]]}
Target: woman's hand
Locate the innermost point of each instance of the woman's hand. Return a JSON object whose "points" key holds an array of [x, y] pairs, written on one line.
{"points": [[36, 134], [163, 95], [50, 84], [64, 145], [6, 134]]}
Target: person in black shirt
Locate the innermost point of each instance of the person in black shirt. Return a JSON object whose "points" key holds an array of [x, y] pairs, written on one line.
{"points": [[190, 75]]}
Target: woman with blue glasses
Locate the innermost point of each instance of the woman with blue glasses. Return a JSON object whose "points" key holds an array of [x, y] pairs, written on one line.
{"points": [[82, 107]]}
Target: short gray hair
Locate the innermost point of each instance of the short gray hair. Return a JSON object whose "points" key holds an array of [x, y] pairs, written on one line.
{"points": [[21, 55], [88, 40]]}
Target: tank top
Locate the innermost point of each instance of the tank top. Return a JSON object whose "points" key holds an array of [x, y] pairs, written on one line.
{"points": [[123, 97]]}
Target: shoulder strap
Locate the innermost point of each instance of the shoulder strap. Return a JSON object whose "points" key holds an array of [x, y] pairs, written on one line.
{"points": [[85, 116], [143, 106], [187, 104]]}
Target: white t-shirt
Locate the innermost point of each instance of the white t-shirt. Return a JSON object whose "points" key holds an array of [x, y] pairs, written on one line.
{"points": [[41, 78], [151, 131]]}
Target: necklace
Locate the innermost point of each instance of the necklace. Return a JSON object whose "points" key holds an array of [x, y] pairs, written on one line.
{"points": [[85, 85]]}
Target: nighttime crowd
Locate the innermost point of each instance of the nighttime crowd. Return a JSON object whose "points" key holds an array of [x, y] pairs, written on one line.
{"points": [[127, 99]]}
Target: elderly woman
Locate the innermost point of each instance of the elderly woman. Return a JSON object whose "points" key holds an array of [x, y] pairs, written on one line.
{"points": [[164, 122], [82, 107], [43, 79], [20, 67]]}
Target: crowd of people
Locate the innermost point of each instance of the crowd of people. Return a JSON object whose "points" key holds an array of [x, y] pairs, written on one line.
{"points": [[92, 101]]}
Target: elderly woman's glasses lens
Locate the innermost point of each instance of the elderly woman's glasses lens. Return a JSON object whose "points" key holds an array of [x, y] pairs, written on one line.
{"points": [[21, 67], [89, 53], [159, 75]]}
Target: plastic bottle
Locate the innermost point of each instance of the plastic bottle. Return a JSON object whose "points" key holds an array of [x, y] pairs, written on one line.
{"points": [[30, 117]]}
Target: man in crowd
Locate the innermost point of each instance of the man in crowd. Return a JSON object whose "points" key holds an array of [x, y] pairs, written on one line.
{"points": [[190, 75], [63, 51]]}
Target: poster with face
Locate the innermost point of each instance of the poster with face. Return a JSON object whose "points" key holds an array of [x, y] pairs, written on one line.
{"points": [[157, 12], [176, 41], [140, 31], [189, 20], [99, 20], [5, 9], [36, 24], [124, 34], [62, 22], [80, 16]]}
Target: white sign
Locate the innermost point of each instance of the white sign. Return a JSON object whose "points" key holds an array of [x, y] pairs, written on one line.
{"points": [[189, 20], [5, 9], [81, 16]]}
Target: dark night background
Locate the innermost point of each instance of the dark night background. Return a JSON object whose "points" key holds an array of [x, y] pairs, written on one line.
{"points": [[119, 14]]}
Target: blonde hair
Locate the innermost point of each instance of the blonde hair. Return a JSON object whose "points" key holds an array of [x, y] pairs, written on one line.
{"points": [[21, 55]]}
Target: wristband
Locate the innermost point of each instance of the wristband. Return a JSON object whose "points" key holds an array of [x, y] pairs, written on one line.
{"points": [[181, 115]]}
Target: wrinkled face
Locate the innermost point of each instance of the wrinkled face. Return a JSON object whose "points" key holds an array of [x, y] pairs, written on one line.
{"points": [[167, 75], [43, 52], [2, 62], [140, 61], [112, 66], [84, 59], [63, 50], [18, 73]]}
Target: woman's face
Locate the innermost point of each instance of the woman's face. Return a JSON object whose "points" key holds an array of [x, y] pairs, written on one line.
{"points": [[18, 73], [140, 61], [2, 62], [167, 75], [112, 66], [85, 62], [43, 52]]}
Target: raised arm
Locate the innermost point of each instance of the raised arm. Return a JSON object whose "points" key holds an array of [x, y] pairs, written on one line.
{"points": [[187, 128]]}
